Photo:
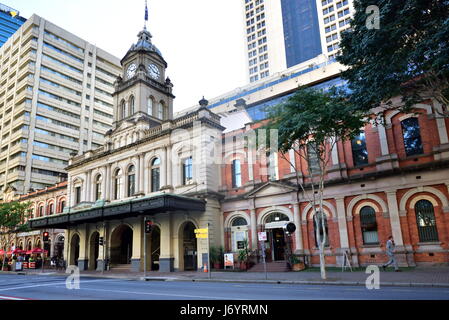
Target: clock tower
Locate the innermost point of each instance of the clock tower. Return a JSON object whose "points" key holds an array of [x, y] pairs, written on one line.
{"points": [[143, 91]]}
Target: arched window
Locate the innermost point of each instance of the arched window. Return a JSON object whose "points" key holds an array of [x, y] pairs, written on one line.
{"points": [[359, 151], [40, 211], [131, 105], [123, 110], [155, 175], [239, 233], [51, 209], [425, 219], [368, 224], [412, 137], [160, 111], [318, 226], [236, 174], [77, 195], [117, 184], [313, 159], [187, 172], [98, 188], [131, 181], [150, 104], [276, 217], [62, 206]]}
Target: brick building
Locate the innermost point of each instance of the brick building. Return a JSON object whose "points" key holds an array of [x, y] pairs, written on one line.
{"points": [[392, 180]]}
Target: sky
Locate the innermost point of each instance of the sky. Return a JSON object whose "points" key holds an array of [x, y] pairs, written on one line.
{"points": [[201, 40]]}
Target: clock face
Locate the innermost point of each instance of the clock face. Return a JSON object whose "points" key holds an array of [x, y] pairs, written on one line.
{"points": [[154, 71], [131, 71]]}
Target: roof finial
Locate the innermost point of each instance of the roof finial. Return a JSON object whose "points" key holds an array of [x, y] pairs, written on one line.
{"points": [[146, 15]]}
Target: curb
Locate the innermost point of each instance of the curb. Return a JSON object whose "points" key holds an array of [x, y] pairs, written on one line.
{"points": [[255, 281]]}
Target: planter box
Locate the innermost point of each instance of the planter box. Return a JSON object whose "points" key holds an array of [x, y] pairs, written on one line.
{"points": [[299, 267]]}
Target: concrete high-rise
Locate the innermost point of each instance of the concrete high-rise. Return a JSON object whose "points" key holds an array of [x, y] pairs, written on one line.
{"points": [[282, 34], [10, 22], [55, 100]]}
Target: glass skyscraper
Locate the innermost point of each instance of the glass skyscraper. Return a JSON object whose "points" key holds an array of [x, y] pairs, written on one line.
{"points": [[301, 31], [10, 22]]}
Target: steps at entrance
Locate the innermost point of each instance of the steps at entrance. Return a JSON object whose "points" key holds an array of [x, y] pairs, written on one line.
{"points": [[277, 266], [121, 268]]}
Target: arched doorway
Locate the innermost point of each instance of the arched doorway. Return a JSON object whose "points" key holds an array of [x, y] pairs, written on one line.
{"points": [[276, 245], [59, 247], [153, 249], [74, 250], [94, 250], [189, 245], [121, 245]]}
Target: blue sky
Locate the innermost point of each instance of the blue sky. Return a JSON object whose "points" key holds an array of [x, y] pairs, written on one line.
{"points": [[202, 40]]}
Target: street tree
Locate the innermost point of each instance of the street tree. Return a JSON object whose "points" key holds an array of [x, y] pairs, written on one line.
{"points": [[13, 219], [406, 55], [310, 123]]}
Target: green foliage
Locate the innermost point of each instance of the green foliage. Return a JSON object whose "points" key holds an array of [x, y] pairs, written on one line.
{"points": [[317, 115], [408, 56], [13, 216], [243, 255], [216, 254]]}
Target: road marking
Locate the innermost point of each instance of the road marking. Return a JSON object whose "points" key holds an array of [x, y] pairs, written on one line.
{"points": [[11, 298], [162, 294], [52, 284]]}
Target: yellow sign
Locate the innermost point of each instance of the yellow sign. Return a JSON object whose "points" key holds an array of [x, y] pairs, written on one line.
{"points": [[201, 231], [201, 236], [13, 14]]}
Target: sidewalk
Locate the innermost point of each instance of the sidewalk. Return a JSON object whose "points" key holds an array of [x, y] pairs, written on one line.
{"points": [[417, 277]]}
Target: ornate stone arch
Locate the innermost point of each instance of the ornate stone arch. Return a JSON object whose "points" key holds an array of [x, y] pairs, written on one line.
{"points": [[437, 193], [266, 212], [328, 207], [426, 107], [378, 200], [237, 214]]}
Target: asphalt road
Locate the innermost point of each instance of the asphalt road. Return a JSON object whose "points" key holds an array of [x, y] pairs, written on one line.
{"points": [[54, 288]]}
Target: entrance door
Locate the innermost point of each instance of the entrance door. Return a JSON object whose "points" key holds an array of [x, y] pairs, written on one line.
{"points": [[190, 248], [278, 243], [121, 245]]}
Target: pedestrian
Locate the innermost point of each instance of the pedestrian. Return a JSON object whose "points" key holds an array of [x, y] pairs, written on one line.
{"points": [[390, 253]]}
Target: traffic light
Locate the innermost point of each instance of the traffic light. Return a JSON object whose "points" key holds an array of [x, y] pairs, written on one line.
{"points": [[101, 241], [148, 226], [45, 236]]}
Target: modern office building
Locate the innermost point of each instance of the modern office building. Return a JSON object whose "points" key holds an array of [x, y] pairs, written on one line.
{"points": [[10, 22], [286, 33], [55, 100]]}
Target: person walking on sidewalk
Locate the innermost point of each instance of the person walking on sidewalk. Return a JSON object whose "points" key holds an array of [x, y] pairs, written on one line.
{"points": [[390, 254]]}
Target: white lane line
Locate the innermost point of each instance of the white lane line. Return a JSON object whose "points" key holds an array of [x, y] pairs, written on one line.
{"points": [[162, 294], [11, 298], [51, 284]]}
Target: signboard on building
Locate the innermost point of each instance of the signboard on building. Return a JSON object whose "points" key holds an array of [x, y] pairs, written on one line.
{"points": [[29, 234], [262, 236], [229, 260]]}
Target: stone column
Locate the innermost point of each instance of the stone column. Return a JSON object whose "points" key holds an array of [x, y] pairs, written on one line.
{"points": [[401, 252], [166, 260], [88, 187], [250, 165], [291, 155], [383, 139], [102, 249], [142, 173], [106, 181], [169, 166], [137, 245], [138, 176], [254, 236], [83, 259], [298, 233], [164, 167], [342, 226]]}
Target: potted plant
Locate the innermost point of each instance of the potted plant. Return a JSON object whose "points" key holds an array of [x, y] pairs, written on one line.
{"points": [[216, 257], [243, 258], [296, 263]]}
